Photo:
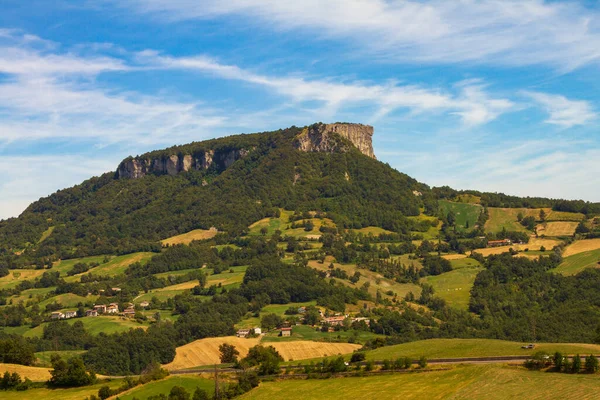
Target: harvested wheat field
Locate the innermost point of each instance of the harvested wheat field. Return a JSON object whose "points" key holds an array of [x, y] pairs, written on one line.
{"points": [[35, 374], [581, 246], [450, 257], [301, 350], [187, 238], [180, 286], [206, 351], [564, 228]]}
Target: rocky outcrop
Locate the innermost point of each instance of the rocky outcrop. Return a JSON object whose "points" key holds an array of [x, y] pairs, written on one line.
{"points": [[328, 138], [174, 164], [319, 138]]}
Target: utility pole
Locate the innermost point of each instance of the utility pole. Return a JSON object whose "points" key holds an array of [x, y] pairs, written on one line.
{"points": [[217, 392]]}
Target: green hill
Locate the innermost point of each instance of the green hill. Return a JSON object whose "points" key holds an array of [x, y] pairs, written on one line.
{"points": [[249, 178]]}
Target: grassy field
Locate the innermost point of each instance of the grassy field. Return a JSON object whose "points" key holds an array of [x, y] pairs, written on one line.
{"points": [[36, 374], [226, 279], [534, 244], [581, 246], [372, 230], [564, 216], [68, 300], [283, 224], [43, 357], [272, 224], [304, 332], [376, 280], [460, 382], [451, 348], [302, 350], [32, 294], [17, 276], [46, 234], [464, 212], [206, 351], [455, 286], [60, 394], [433, 232], [558, 228], [115, 266], [190, 383], [578, 262], [506, 218], [94, 325], [187, 238], [468, 198]]}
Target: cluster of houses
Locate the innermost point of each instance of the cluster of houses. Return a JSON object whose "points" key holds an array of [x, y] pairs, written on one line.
{"points": [[112, 308], [63, 315], [499, 243], [330, 322], [242, 333]]}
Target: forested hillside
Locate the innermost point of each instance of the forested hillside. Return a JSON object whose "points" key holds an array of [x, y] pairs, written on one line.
{"points": [[109, 215]]}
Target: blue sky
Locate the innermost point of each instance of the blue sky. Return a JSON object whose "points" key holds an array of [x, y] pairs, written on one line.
{"points": [[499, 96]]}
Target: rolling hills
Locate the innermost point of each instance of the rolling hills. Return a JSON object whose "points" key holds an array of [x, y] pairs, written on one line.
{"points": [[304, 228]]}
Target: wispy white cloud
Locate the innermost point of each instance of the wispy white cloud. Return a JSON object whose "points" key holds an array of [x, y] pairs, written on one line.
{"points": [[506, 32], [472, 103], [542, 168], [49, 94], [37, 176], [563, 111]]}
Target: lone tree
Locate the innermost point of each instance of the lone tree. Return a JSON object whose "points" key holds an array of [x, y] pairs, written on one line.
{"points": [[542, 215], [228, 353], [576, 366], [591, 364]]}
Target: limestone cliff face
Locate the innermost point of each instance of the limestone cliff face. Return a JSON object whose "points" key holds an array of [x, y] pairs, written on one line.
{"points": [[174, 164], [319, 138]]}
